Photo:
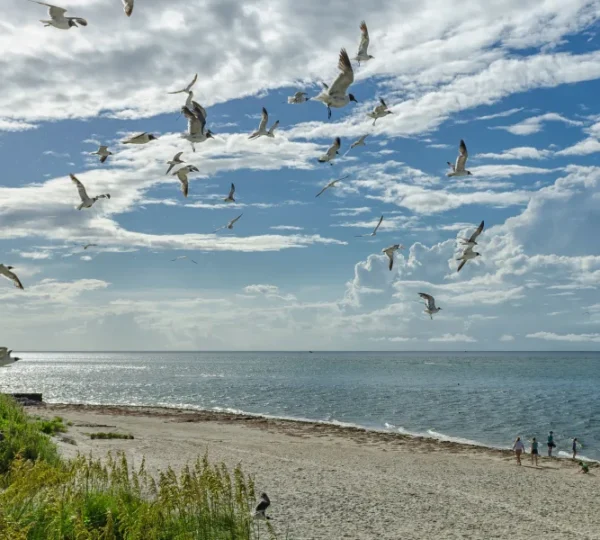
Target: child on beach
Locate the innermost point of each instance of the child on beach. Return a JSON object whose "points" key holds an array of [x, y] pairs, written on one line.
{"points": [[518, 447], [534, 451], [584, 467], [574, 448], [551, 444]]}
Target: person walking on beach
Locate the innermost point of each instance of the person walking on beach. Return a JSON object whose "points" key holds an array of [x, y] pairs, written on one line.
{"points": [[534, 451], [518, 447], [551, 444], [574, 448]]}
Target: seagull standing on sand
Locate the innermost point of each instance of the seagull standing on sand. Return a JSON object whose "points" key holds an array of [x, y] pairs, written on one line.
{"points": [[374, 233], [187, 88], [379, 111], [6, 271], [389, 251], [430, 308], [461, 161], [196, 125], [230, 196], [261, 507], [335, 95], [128, 7], [182, 174], [181, 257], [471, 241], [332, 151], [262, 128], [175, 161], [467, 255], [230, 224], [363, 55], [5, 358], [140, 138], [86, 202], [298, 97], [331, 184], [103, 153], [58, 19]]}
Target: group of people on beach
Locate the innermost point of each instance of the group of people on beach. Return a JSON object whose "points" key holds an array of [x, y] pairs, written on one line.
{"points": [[519, 448]]}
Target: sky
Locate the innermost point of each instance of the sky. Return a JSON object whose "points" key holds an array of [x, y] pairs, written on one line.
{"points": [[518, 81]]}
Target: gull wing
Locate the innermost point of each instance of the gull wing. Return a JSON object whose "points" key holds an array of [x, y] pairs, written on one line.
{"points": [[195, 125], [345, 78], [187, 88], [429, 300], [461, 160], [462, 263], [359, 141], [477, 232], [234, 220], [185, 186], [182, 174], [80, 187], [131, 139], [274, 127], [263, 120], [102, 149], [12, 276], [390, 255], [364, 39], [177, 156], [103, 159], [231, 191], [79, 20], [199, 111], [324, 189], [378, 224], [55, 12], [128, 7], [332, 151]]}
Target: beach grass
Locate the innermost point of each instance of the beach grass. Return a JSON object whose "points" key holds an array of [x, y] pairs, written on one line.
{"points": [[103, 435], [47, 498]]}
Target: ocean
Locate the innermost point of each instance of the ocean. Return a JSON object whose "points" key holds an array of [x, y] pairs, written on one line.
{"points": [[478, 398]]}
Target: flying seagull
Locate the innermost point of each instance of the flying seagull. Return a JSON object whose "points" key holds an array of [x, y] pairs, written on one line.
{"points": [[230, 224], [262, 128], [374, 233], [183, 257], [379, 111], [230, 196], [6, 271], [86, 202], [298, 97], [128, 7], [103, 152], [196, 118], [461, 161], [175, 161], [335, 95], [261, 507], [389, 251], [58, 19], [182, 174], [431, 310], [467, 255], [140, 138], [363, 55], [471, 241], [187, 88], [360, 142], [87, 246], [332, 151], [331, 184], [5, 358]]}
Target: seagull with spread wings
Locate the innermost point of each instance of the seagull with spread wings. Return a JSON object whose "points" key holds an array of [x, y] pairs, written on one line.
{"points": [[374, 233], [128, 7], [331, 184], [298, 97], [182, 174], [58, 19], [332, 152], [471, 241], [187, 88], [458, 169], [175, 161], [230, 224], [430, 308], [359, 142], [87, 246], [262, 130], [335, 95], [181, 257], [389, 251], [467, 255], [7, 272], [230, 196], [103, 152], [363, 55], [197, 132], [379, 111], [140, 138], [86, 201]]}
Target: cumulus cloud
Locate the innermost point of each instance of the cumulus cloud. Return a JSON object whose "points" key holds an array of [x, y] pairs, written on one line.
{"points": [[535, 124]]}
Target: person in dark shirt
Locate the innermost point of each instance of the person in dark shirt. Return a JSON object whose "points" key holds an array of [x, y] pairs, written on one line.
{"points": [[551, 444]]}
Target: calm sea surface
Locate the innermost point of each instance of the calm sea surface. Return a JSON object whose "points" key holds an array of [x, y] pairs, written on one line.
{"points": [[487, 398]]}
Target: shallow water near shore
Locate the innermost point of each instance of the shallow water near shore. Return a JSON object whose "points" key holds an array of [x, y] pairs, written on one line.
{"points": [[477, 398]]}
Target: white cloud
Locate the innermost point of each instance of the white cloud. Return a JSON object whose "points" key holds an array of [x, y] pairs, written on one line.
{"points": [[453, 338], [521, 152], [535, 124], [507, 337], [575, 338], [286, 228], [582, 148]]}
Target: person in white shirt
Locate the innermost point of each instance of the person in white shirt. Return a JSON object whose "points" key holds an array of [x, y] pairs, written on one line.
{"points": [[518, 447]]}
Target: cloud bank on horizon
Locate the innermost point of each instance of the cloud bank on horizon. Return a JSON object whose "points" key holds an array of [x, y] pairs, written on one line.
{"points": [[517, 82]]}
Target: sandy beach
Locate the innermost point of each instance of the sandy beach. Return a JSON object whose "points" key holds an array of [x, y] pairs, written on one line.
{"points": [[328, 482]]}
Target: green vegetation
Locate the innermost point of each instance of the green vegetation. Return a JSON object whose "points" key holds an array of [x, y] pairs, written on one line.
{"points": [[102, 435], [52, 427], [45, 498]]}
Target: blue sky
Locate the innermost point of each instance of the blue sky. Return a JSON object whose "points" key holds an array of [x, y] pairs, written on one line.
{"points": [[517, 82]]}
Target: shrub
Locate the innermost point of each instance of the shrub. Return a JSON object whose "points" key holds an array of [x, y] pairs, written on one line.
{"points": [[102, 435]]}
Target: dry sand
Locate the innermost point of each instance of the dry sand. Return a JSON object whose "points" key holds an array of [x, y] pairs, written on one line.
{"points": [[331, 483]]}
